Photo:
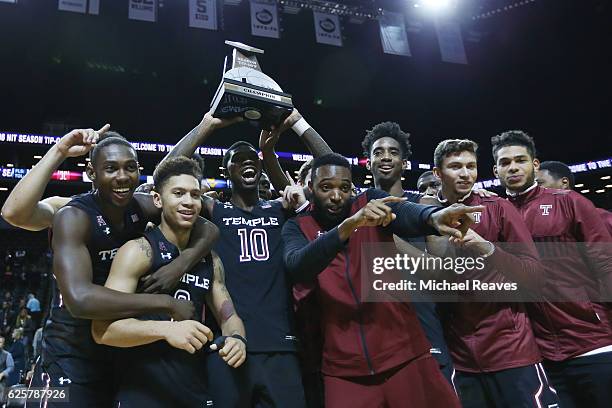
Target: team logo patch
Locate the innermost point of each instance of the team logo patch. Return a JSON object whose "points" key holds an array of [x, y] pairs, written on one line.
{"points": [[319, 233], [228, 205], [166, 255], [135, 218], [266, 205], [545, 209], [100, 221], [477, 216], [106, 231]]}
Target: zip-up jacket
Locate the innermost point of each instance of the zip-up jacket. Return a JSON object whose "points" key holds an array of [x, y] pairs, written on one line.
{"points": [[572, 243], [360, 339]]}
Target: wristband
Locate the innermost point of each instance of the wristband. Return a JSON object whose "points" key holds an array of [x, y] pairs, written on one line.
{"points": [[300, 127], [239, 337], [302, 207]]}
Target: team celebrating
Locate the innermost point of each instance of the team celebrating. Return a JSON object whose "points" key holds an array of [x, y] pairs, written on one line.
{"points": [[174, 298]]}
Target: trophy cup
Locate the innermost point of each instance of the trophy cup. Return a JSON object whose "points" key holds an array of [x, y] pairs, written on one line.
{"points": [[246, 91]]}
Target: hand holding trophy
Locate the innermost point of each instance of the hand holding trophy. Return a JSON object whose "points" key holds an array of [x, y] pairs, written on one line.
{"points": [[246, 91]]}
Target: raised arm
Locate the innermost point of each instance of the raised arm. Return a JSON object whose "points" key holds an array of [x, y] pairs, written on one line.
{"points": [[313, 140], [23, 207], [131, 262], [196, 137], [220, 302], [86, 300]]}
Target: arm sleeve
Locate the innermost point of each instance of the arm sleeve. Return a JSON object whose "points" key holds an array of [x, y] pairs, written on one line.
{"points": [[597, 243], [10, 364], [411, 218], [515, 255], [304, 260]]}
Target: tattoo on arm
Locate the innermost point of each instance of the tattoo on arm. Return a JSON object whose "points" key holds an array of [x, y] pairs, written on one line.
{"points": [[227, 310], [145, 247]]}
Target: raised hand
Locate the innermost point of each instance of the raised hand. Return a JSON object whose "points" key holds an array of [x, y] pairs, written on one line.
{"points": [[78, 142], [293, 195]]}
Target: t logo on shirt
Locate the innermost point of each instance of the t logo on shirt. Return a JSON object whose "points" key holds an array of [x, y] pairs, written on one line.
{"points": [[477, 216], [545, 208]]}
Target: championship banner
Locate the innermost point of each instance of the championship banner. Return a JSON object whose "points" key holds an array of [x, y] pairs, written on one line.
{"points": [[75, 6], [203, 14], [264, 19], [327, 29], [451, 42], [143, 10], [94, 7], [393, 34]]}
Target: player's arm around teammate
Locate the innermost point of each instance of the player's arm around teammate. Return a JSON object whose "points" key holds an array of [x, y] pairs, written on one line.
{"points": [[233, 350], [131, 262], [24, 207]]}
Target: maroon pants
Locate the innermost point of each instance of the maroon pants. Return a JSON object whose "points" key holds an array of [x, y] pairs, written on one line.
{"points": [[415, 384]]}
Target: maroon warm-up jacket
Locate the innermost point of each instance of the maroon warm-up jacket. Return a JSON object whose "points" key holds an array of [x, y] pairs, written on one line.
{"points": [[359, 338], [571, 239], [493, 336]]}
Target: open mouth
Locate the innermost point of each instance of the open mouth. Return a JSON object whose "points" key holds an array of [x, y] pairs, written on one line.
{"points": [[187, 214], [121, 193], [249, 174], [385, 169]]}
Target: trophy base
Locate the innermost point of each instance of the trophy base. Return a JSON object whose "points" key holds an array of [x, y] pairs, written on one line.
{"points": [[265, 106]]}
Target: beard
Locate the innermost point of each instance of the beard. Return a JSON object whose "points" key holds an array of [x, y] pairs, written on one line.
{"points": [[326, 219]]}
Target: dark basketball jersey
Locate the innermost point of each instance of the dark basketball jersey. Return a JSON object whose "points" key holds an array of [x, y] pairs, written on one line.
{"points": [[250, 246], [170, 374], [65, 336]]}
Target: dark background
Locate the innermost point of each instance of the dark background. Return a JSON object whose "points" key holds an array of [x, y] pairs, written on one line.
{"points": [[543, 67]]}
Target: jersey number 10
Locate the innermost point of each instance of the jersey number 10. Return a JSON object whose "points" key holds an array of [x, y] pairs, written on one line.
{"points": [[253, 244]]}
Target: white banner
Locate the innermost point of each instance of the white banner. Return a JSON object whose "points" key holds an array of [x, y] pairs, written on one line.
{"points": [[143, 10], [94, 7], [393, 34], [203, 14], [264, 19], [8, 1], [327, 29], [76, 6], [451, 42]]}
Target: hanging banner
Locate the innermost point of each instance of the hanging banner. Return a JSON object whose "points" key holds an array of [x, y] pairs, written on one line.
{"points": [[143, 10], [75, 6], [327, 29], [451, 42], [8, 1], [264, 19], [203, 14], [393, 34], [94, 7]]}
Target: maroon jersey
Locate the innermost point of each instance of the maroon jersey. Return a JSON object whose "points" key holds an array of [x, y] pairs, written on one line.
{"points": [[563, 224], [493, 336], [606, 216]]}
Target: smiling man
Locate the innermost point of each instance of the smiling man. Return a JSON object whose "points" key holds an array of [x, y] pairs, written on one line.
{"points": [[367, 361], [575, 338], [491, 343]]}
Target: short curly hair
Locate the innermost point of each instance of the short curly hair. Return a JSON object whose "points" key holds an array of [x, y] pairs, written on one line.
{"points": [[387, 129], [513, 138], [175, 166]]}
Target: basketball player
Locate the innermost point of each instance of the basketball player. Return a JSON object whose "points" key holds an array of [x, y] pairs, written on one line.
{"points": [[555, 174], [87, 233], [428, 183], [574, 337], [250, 248], [387, 149], [492, 344], [366, 360], [162, 374]]}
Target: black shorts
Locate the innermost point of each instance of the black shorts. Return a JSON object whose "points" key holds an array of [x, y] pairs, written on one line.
{"points": [[264, 380], [583, 381], [523, 387], [75, 376]]}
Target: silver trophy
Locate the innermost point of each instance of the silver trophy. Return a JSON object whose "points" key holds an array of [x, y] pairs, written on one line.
{"points": [[246, 91]]}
